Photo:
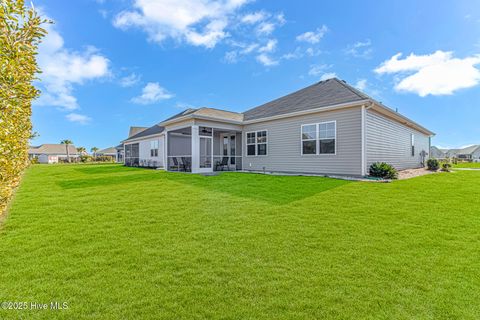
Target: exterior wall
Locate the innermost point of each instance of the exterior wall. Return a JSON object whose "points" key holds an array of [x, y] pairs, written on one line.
{"points": [[284, 145], [389, 141], [476, 155], [144, 150]]}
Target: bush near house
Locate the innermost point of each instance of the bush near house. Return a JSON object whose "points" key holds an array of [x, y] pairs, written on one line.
{"points": [[446, 166], [20, 34], [433, 164], [383, 170]]}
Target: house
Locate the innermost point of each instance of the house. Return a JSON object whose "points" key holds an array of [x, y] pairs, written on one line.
{"points": [[470, 153], [120, 148], [107, 152], [326, 128], [437, 153], [53, 153]]}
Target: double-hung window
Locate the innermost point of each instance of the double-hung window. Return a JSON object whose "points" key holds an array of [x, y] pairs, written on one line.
{"points": [[412, 144], [319, 138], [257, 143], [154, 148]]}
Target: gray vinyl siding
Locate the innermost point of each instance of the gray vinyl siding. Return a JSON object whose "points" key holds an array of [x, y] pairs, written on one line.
{"points": [[284, 145], [389, 141]]}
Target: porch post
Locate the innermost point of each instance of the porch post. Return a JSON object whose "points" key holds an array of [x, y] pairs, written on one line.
{"points": [[165, 151], [195, 149]]}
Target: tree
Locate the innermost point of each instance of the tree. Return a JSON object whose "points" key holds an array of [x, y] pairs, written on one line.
{"points": [[94, 150], [81, 150], [67, 142], [20, 35]]}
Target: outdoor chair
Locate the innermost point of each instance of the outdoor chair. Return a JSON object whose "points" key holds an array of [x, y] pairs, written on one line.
{"points": [[222, 165]]}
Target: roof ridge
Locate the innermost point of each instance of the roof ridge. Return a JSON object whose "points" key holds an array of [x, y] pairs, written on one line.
{"points": [[359, 93]]}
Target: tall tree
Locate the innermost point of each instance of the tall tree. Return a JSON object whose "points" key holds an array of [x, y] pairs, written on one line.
{"points": [[94, 150], [20, 35], [67, 143], [81, 150]]}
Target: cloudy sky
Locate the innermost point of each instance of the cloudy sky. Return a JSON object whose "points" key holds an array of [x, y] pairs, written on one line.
{"points": [[108, 65]]}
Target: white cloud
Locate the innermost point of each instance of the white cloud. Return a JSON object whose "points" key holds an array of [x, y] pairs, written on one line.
{"points": [[270, 46], [266, 60], [130, 80], [313, 36], [328, 75], [361, 84], [63, 68], [152, 93], [253, 18], [231, 57], [200, 23], [318, 69], [79, 118], [438, 73], [360, 49], [265, 28]]}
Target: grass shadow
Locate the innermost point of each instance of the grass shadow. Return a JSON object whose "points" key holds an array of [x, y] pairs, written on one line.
{"points": [[268, 188]]}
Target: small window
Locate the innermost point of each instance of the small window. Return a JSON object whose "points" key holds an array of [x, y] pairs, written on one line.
{"points": [[309, 139], [257, 143], [412, 144], [154, 148], [319, 138]]}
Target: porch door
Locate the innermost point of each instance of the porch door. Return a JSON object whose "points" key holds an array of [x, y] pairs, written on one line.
{"points": [[229, 148], [206, 154]]}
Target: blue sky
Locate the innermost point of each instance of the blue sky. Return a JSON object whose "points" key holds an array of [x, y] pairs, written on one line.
{"points": [[111, 64]]}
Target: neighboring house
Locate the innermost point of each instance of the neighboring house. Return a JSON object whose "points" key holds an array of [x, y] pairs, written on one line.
{"points": [[471, 153], [107, 152], [52, 153], [326, 128], [437, 153], [120, 148]]}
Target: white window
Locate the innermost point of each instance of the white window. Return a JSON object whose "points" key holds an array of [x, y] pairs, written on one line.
{"points": [[412, 143], [257, 143], [319, 138], [154, 148]]}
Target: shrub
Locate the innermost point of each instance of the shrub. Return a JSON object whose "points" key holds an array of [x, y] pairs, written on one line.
{"points": [[446, 167], [85, 158], [433, 164], [104, 159], [20, 34], [383, 170]]}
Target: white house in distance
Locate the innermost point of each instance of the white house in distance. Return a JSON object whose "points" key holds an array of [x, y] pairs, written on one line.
{"points": [[52, 153], [470, 153], [326, 128]]}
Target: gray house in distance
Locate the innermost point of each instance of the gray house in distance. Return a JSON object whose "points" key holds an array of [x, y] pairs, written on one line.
{"points": [[326, 128]]}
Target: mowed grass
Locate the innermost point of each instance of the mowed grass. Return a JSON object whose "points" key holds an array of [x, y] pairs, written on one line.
{"points": [[475, 165], [127, 243]]}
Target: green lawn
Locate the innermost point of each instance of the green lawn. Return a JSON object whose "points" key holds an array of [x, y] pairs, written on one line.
{"points": [[475, 165], [126, 243]]}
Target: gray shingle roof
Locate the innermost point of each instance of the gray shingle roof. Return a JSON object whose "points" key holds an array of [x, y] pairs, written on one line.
{"points": [[322, 94], [181, 114], [49, 148], [134, 130], [147, 132], [107, 150]]}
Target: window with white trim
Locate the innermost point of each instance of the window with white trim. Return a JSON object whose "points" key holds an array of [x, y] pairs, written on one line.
{"points": [[257, 143], [412, 143], [319, 138], [154, 148]]}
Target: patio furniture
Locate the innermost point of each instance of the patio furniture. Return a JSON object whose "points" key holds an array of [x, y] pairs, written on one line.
{"points": [[222, 165], [186, 164], [176, 165]]}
